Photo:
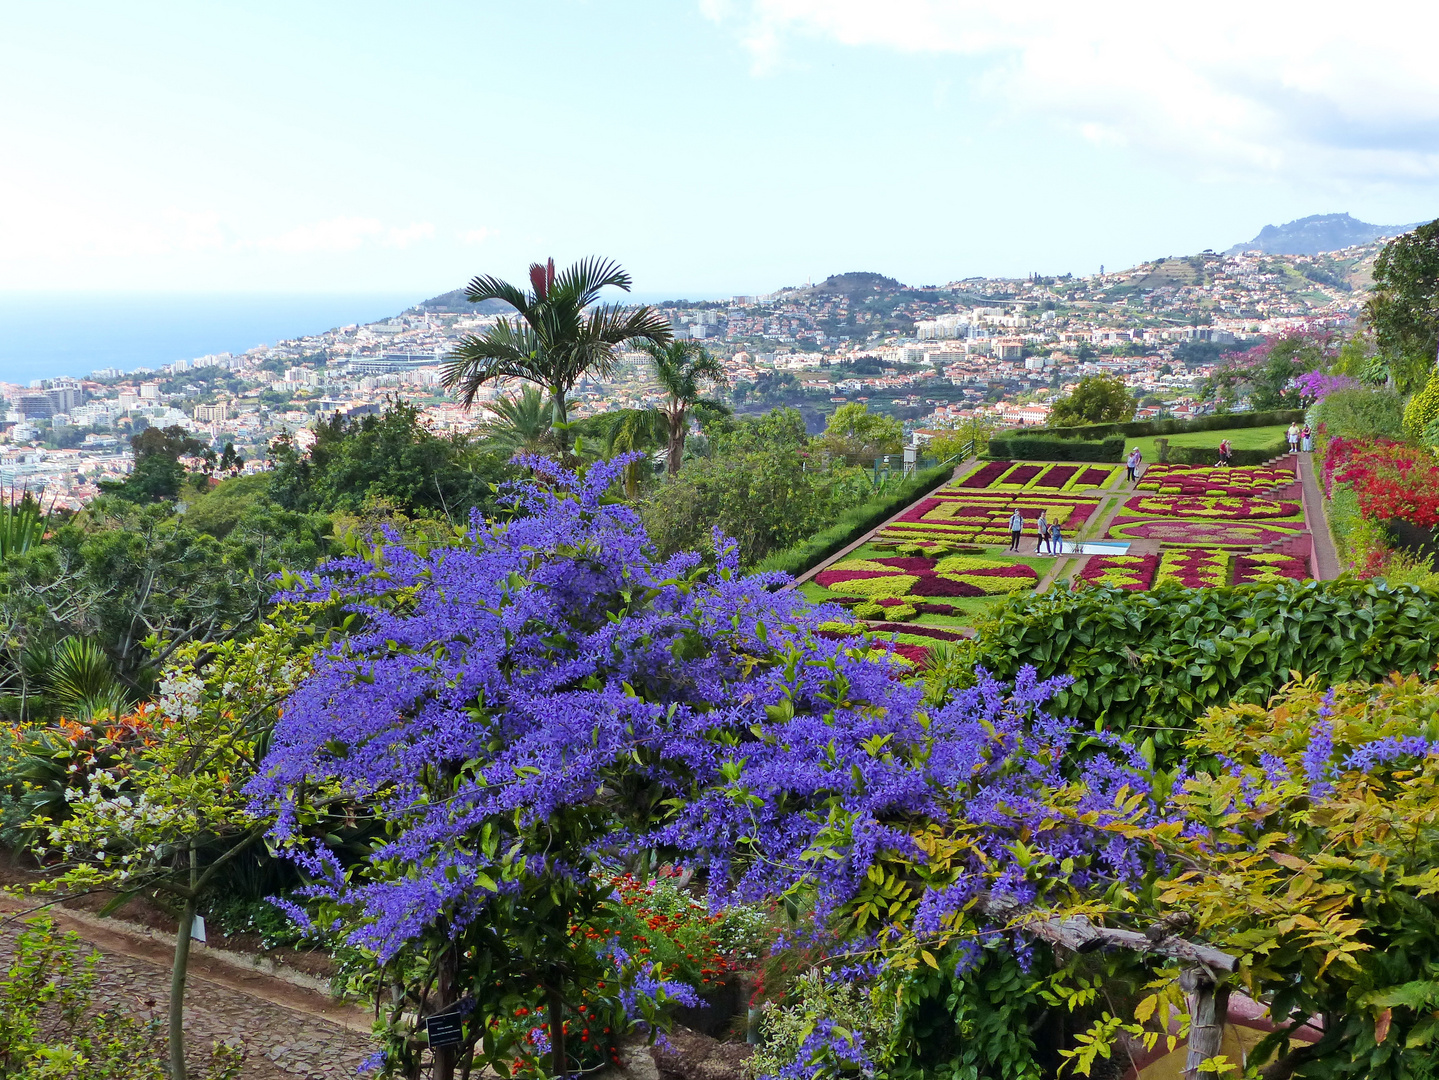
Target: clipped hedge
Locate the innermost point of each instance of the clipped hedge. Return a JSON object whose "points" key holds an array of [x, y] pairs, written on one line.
{"points": [[1148, 663], [1209, 455], [1043, 446], [1136, 429], [853, 524]]}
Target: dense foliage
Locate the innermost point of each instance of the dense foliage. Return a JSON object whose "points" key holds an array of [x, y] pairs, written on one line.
{"points": [[1098, 399], [1149, 663], [392, 457], [1403, 309], [761, 486]]}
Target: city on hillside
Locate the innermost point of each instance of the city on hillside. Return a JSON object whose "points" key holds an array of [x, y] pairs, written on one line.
{"points": [[934, 356]]}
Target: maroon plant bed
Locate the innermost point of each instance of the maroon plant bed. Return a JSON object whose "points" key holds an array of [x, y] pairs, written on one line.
{"points": [[1093, 476], [917, 631], [985, 475], [1023, 474], [1057, 477]]}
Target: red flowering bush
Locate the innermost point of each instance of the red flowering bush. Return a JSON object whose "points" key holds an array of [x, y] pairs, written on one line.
{"points": [[1390, 479]]}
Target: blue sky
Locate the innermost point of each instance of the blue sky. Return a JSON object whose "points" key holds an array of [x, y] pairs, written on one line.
{"points": [[712, 146]]}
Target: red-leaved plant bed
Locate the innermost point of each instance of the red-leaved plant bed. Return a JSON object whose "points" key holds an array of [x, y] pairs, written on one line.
{"points": [[935, 632], [985, 475], [1391, 480], [1196, 568], [1269, 566], [916, 577], [1057, 477], [1229, 508], [1132, 572], [1201, 533], [1093, 477], [1022, 474]]}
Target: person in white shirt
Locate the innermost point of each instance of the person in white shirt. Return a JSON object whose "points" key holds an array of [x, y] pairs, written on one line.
{"points": [[1016, 526], [1042, 528]]}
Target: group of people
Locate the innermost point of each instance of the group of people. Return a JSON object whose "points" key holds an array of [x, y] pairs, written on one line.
{"points": [[1048, 535], [1300, 438]]}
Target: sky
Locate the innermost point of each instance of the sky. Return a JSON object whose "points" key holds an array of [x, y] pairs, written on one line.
{"points": [[711, 146]]}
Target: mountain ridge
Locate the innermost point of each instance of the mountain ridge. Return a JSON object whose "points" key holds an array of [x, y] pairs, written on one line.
{"points": [[1317, 234]]}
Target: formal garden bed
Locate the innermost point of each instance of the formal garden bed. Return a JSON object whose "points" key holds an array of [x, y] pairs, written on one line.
{"points": [[1213, 480], [1040, 476]]}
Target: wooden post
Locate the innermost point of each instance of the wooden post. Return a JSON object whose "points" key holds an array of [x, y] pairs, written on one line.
{"points": [[1208, 1012]]}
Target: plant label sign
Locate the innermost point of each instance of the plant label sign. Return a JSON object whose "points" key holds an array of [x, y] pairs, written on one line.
{"points": [[444, 1029]]}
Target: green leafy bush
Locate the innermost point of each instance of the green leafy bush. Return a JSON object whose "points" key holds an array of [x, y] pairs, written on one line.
{"points": [[1423, 408], [1150, 662], [1361, 413], [49, 1029], [854, 523]]}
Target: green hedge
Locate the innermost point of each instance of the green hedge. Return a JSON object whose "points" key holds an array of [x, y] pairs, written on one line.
{"points": [[1150, 662], [1042, 446], [1139, 428], [1209, 455], [854, 523]]}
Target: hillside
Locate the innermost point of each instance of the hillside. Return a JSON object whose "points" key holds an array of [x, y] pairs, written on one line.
{"points": [[454, 303], [1317, 234]]}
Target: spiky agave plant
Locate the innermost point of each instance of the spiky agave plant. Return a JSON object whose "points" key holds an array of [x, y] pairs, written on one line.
{"points": [[22, 524]]}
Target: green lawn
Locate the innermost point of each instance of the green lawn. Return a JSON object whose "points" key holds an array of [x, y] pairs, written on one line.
{"points": [[1254, 438]]}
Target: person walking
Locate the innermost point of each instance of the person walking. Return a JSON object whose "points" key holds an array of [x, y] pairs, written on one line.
{"points": [[1016, 526], [1306, 440], [1225, 452], [1133, 461], [1042, 529], [1293, 434], [1056, 540]]}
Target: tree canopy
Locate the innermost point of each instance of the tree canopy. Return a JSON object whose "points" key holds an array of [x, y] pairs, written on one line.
{"points": [[1403, 307], [1098, 399]]}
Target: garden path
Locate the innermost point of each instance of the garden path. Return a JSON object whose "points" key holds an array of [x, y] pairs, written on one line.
{"points": [[287, 1032], [1326, 559]]}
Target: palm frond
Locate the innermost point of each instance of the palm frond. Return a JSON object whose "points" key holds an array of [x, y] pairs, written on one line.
{"points": [[510, 349], [583, 281], [486, 287]]}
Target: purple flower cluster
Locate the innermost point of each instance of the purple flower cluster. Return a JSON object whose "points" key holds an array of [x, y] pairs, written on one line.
{"points": [[1315, 386]]}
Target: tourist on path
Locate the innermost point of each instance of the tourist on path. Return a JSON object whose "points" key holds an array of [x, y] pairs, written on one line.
{"points": [[1293, 434], [1225, 452], [1056, 540], [1134, 460], [1016, 526], [1042, 528], [1306, 440]]}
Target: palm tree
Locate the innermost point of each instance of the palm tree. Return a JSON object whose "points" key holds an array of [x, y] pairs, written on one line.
{"points": [[681, 367], [635, 430], [521, 425], [560, 335]]}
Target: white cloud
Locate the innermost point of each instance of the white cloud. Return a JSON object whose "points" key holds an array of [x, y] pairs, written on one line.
{"points": [[403, 238], [475, 237], [1260, 87]]}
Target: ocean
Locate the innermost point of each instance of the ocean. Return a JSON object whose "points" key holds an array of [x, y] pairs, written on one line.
{"points": [[46, 335]]}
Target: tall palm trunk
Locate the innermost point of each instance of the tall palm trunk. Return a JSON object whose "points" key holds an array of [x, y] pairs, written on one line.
{"points": [[676, 418], [561, 418]]}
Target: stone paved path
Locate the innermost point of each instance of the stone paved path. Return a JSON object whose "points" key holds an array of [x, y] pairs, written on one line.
{"points": [[280, 1043]]}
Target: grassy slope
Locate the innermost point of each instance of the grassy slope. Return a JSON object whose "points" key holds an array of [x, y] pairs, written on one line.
{"points": [[1240, 438]]}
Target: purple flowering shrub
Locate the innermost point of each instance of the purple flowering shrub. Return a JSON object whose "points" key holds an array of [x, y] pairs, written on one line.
{"points": [[546, 702]]}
